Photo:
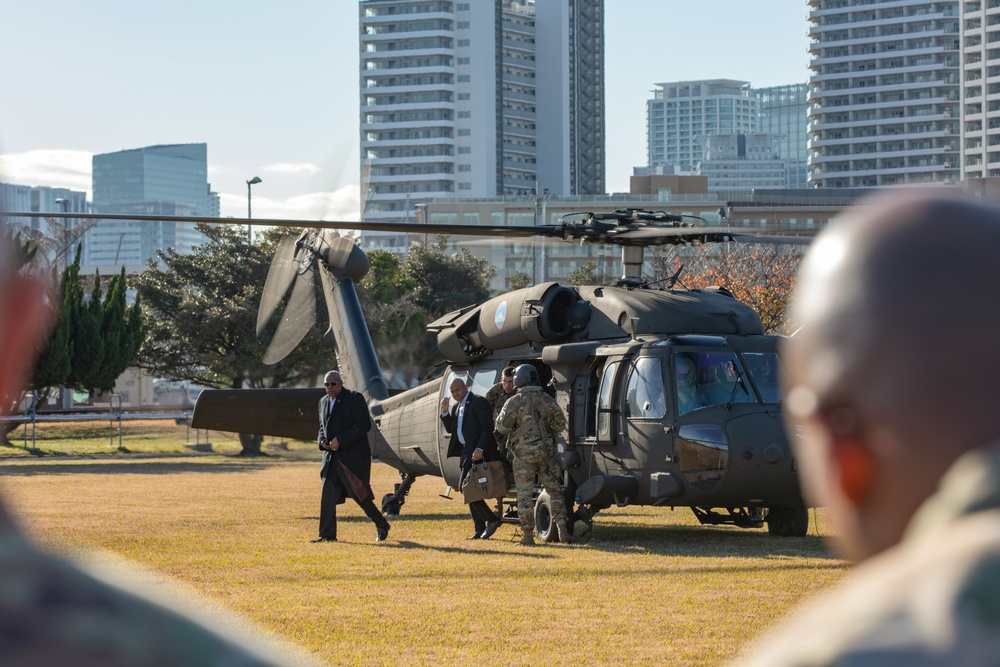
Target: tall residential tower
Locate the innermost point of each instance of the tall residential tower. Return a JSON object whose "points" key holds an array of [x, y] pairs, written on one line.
{"points": [[459, 99], [683, 113], [885, 88]]}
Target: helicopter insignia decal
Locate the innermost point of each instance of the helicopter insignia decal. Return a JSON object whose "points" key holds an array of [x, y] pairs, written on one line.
{"points": [[501, 315]]}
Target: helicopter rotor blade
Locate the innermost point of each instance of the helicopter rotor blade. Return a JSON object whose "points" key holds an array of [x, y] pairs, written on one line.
{"points": [[630, 227], [298, 317], [774, 239], [280, 275]]}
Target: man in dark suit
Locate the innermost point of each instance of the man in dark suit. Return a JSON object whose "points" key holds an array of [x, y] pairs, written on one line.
{"points": [[344, 422], [470, 422]]}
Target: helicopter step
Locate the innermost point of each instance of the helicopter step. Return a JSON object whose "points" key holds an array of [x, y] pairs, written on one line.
{"points": [[605, 490], [741, 517]]}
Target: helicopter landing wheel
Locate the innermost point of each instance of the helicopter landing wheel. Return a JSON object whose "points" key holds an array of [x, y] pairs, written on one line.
{"points": [[545, 527], [787, 521], [390, 506]]}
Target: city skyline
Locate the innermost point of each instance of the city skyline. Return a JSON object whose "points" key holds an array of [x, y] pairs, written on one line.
{"points": [[274, 93]]}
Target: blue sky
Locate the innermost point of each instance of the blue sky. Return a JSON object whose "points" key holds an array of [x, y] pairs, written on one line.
{"points": [[273, 87]]}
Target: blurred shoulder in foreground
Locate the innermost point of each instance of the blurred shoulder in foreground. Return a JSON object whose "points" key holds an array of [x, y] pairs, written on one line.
{"points": [[53, 612]]}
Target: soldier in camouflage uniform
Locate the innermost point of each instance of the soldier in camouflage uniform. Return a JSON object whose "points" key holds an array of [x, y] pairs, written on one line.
{"points": [[56, 613], [497, 396], [899, 435], [532, 419]]}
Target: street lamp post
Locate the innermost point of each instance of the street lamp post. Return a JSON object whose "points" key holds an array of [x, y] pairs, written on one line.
{"points": [[65, 240], [67, 397], [253, 181]]}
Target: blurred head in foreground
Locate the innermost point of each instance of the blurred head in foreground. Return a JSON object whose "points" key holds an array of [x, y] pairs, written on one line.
{"points": [[25, 318], [891, 391], [894, 372]]}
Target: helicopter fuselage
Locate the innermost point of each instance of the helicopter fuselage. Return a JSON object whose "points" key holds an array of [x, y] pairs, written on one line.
{"points": [[633, 436]]}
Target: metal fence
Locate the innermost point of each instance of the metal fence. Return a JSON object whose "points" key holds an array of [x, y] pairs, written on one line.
{"points": [[116, 414]]}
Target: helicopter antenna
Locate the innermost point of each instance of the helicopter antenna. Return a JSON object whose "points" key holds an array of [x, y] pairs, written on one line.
{"points": [[672, 280]]}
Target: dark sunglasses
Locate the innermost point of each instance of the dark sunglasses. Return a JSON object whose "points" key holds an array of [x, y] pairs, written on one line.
{"points": [[331, 384]]}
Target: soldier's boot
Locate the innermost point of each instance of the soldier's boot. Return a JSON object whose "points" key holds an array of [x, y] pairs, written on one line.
{"points": [[564, 535], [527, 540]]}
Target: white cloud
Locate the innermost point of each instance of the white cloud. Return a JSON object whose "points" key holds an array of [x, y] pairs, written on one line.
{"points": [[72, 169], [342, 204], [55, 168], [292, 168]]}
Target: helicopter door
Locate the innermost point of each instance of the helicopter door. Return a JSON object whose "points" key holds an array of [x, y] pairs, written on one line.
{"points": [[644, 407]]}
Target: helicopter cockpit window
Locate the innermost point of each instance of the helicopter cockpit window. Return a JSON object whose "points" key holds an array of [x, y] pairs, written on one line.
{"points": [[604, 401], [709, 378], [644, 394], [763, 368]]}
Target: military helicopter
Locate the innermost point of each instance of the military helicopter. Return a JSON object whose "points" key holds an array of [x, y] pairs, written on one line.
{"points": [[671, 394]]}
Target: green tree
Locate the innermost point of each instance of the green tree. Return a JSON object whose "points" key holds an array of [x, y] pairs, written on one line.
{"points": [[519, 280], [760, 275], [446, 282], [396, 323], [94, 340], [55, 361], [201, 313], [588, 274]]}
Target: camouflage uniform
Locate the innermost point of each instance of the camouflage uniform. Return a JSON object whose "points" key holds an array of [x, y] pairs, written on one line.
{"points": [[933, 599], [497, 398], [53, 613], [534, 450]]}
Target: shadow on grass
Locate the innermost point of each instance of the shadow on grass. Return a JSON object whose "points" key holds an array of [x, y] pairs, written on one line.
{"points": [[406, 544], [409, 517], [159, 466], [705, 541]]}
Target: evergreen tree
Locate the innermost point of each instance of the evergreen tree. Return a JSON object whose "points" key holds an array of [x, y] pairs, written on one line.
{"points": [[55, 362]]}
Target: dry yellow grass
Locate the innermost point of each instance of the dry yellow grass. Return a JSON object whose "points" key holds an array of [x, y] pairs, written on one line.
{"points": [[650, 588]]}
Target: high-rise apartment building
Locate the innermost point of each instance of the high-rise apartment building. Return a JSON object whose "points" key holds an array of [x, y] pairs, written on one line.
{"points": [[571, 112], [980, 26], [682, 113], [783, 112], [885, 86], [742, 162], [166, 180], [455, 97]]}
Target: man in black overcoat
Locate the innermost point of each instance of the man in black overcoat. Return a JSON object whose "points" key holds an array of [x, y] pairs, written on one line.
{"points": [[470, 422], [344, 423]]}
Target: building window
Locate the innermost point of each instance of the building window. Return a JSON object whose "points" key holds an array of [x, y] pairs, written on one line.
{"points": [[462, 42], [464, 60], [463, 25], [462, 7], [464, 96], [465, 186], [465, 167], [465, 114], [464, 78], [464, 132], [464, 149]]}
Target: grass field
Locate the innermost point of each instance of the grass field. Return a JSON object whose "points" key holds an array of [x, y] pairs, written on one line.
{"points": [[652, 587]]}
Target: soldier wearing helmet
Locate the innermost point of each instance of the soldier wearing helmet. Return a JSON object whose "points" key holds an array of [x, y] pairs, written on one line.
{"points": [[532, 419]]}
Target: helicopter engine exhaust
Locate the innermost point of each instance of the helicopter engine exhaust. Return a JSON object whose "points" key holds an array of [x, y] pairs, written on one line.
{"points": [[545, 313]]}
